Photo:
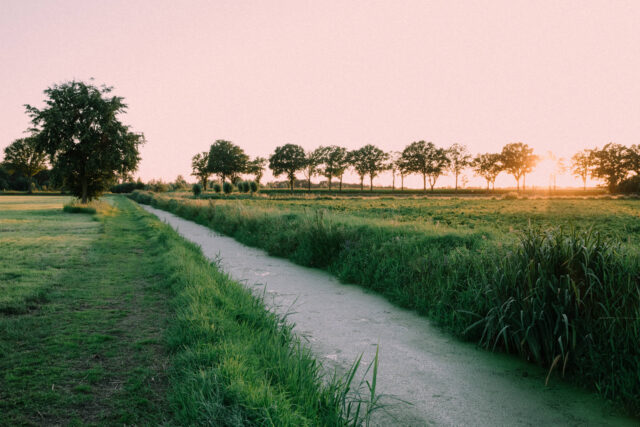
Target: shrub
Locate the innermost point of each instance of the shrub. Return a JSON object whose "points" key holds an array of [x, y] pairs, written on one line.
{"points": [[630, 185], [197, 189], [157, 186], [253, 186], [127, 187], [510, 196], [227, 187], [216, 187]]}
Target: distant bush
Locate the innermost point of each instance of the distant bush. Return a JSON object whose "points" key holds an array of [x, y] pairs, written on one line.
{"points": [[510, 196], [216, 187], [253, 186], [197, 189], [127, 187], [227, 187], [157, 186], [630, 185], [244, 186]]}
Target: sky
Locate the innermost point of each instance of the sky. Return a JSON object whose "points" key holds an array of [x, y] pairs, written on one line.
{"points": [[557, 75]]}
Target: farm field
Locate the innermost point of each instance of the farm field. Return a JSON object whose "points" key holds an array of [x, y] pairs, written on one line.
{"points": [[108, 319], [552, 280]]}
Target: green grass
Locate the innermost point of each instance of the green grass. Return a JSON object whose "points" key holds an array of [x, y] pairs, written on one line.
{"points": [[500, 272], [133, 326]]}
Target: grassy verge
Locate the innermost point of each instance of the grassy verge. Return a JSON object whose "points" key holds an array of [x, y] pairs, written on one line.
{"points": [[135, 326], [567, 301]]}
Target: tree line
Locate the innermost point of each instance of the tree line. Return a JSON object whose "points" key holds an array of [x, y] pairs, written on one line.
{"points": [[613, 163]]}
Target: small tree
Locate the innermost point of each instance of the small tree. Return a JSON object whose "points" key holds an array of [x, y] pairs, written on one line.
{"points": [[200, 168], [375, 160], [460, 160], [334, 163], [488, 166], [610, 164], [518, 160], [197, 189], [313, 161], [87, 144], [256, 168], [23, 156], [426, 159], [288, 159], [226, 159], [358, 162], [227, 187], [581, 164]]}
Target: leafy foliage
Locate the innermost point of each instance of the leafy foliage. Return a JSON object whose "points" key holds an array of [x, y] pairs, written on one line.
{"points": [[610, 164], [518, 160], [226, 159], [427, 160], [288, 159], [87, 144], [24, 156], [200, 168]]}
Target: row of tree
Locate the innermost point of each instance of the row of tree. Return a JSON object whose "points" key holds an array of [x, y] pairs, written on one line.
{"points": [[612, 163]]}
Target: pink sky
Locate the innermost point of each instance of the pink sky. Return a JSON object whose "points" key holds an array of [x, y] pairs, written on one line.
{"points": [[557, 75]]}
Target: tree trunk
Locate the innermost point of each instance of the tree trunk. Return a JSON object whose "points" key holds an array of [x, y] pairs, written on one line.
{"points": [[432, 184], [362, 183], [370, 182], [329, 182], [291, 184], [85, 190], [456, 190], [29, 184], [424, 182], [584, 183], [402, 182], [524, 181], [393, 181], [309, 185], [518, 184], [340, 182]]}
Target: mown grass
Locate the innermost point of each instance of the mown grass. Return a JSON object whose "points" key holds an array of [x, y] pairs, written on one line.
{"points": [[567, 299], [138, 328]]}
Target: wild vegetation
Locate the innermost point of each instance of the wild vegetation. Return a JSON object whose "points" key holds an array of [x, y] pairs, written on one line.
{"points": [[112, 318], [539, 282]]}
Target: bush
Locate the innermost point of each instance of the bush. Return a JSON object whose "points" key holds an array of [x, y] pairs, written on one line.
{"points": [[244, 186], [253, 186], [197, 189], [510, 196], [157, 186], [216, 187], [127, 187], [227, 187], [630, 185]]}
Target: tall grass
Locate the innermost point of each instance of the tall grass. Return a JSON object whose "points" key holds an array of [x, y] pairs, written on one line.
{"points": [[236, 363], [567, 300]]}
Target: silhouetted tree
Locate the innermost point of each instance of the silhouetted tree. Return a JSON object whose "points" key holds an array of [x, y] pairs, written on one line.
{"points": [[518, 160], [358, 162], [460, 160], [375, 162], [334, 163], [288, 159], [633, 158], [581, 164], [227, 160], [488, 166], [23, 156], [426, 159], [314, 160], [610, 164], [87, 144], [200, 168]]}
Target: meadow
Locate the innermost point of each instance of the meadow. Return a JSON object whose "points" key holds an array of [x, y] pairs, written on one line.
{"points": [[108, 317], [554, 280]]}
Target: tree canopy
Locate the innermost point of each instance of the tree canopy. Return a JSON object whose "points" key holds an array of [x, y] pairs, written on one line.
{"points": [[459, 158], [335, 162], [518, 160], [256, 168], [227, 159], [426, 159], [288, 159], [488, 166], [23, 155], [87, 144], [200, 168], [610, 164]]}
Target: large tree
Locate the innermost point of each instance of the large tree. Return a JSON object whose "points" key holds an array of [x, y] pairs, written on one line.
{"points": [[314, 160], [227, 160], [426, 159], [358, 162], [460, 160], [23, 156], [488, 166], [80, 131], [334, 163], [256, 168], [581, 164], [200, 168], [633, 158], [518, 160], [288, 159], [610, 164]]}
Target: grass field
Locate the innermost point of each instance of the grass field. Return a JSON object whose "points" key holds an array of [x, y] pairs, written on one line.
{"points": [[553, 280], [113, 319]]}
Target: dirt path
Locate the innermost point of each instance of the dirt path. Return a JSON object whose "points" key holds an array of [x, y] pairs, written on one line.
{"points": [[446, 381]]}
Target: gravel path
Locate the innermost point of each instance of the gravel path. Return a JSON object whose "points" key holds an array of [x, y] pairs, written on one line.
{"points": [[447, 382]]}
